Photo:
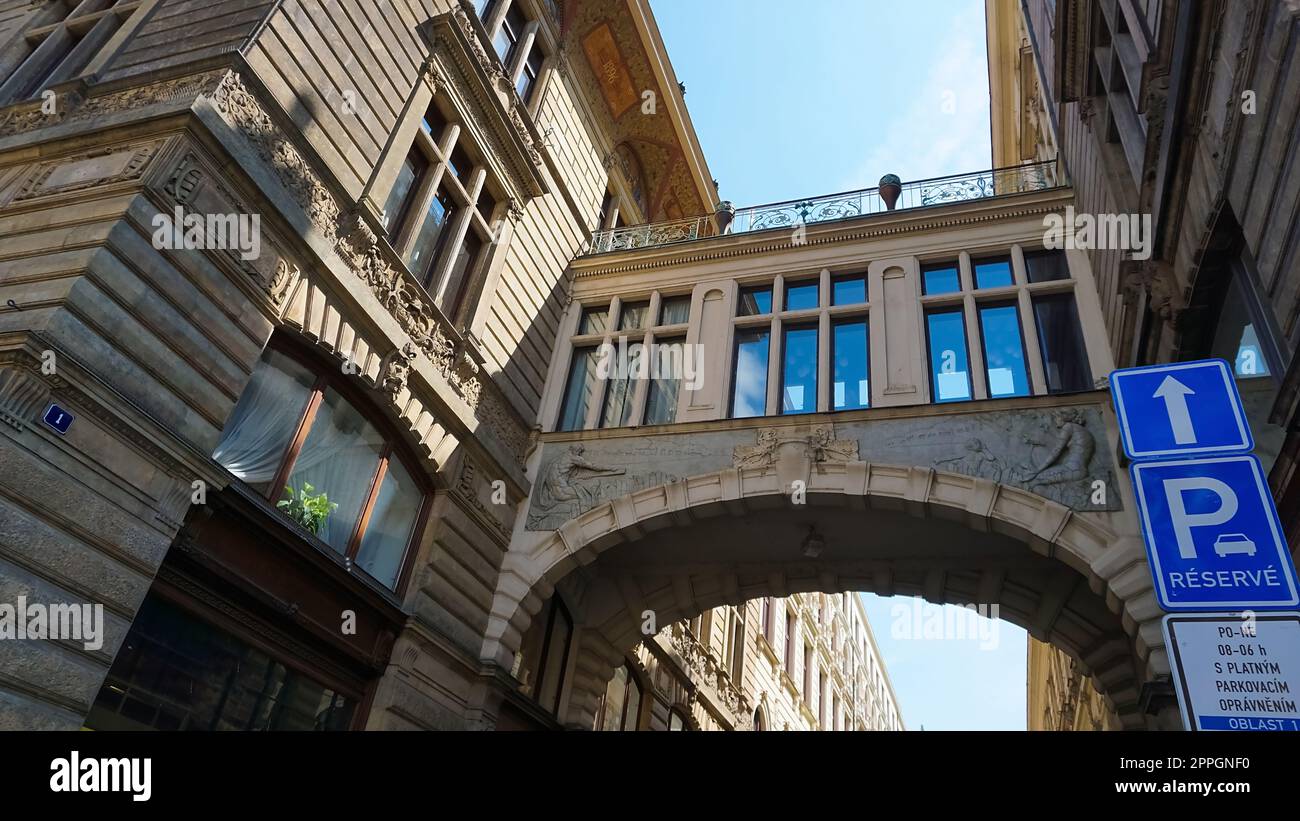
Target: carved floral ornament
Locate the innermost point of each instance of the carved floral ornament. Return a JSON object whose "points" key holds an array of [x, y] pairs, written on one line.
{"points": [[357, 245]]}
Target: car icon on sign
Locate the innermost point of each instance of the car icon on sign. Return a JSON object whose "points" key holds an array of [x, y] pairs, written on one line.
{"points": [[1229, 543]]}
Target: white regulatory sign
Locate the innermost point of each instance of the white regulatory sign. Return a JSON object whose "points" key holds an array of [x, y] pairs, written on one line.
{"points": [[1236, 671]]}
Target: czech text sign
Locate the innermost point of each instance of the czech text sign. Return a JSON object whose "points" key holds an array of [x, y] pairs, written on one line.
{"points": [[1236, 672]]}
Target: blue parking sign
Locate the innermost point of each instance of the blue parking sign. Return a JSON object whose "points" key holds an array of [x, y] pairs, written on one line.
{"points": [[1213, 536], [1180, 410]]}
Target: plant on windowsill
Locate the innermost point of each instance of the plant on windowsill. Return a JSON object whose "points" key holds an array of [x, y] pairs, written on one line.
{"points": [[308, 508]]}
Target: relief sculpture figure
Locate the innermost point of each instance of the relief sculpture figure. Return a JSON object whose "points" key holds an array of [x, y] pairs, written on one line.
{"points": [[977, 461], [562, 483], [1068, 454]]}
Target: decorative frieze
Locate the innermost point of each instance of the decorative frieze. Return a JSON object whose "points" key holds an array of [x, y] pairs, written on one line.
{"points": [[103, 166]]}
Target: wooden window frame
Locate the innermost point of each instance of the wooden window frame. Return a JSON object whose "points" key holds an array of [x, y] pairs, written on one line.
{"points": [[392, 449]]}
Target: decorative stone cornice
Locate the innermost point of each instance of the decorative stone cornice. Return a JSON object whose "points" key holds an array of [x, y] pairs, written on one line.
{"points": [[74, 104]]}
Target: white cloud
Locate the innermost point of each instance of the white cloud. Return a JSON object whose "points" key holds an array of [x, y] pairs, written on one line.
{"points": [[945, 130]]}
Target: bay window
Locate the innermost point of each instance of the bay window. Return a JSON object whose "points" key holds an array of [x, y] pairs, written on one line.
{"points": [[299, 439], [438, 212]]}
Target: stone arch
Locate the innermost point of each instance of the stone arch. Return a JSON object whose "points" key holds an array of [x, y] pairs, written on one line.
{"points": [[1103, 550]]}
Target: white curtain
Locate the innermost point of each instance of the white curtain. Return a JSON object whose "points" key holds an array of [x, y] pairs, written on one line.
{"points": [[339, 459], [253, 443]]}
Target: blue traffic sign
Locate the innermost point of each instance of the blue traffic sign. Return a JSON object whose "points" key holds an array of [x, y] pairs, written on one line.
{"points": [[1180, 410], [1212, 535], [57, 418]]}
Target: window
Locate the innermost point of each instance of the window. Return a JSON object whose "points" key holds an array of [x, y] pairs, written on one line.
{"points": [[736, 644], [1004, 353], [633, 316], [517, 42], [529, 72], [1046, 266], [620, 390], [675, 310], [620, 707], [807, 674], [940, 279], [438, 212], [677, 720], [800, 296], [177, 672], [749, 389], [67, 37], [1021, 339], [837, 331], [992, 273], [1236, 338], [791, 630], [594, 320], [799, 370], [661, 404], [755, 301], [765, 610], [578, 390], [949, 370], [638, 352], [850, 290], [298, 439], [510, 33], [554, 657], [851, 388], [1065, 359]]}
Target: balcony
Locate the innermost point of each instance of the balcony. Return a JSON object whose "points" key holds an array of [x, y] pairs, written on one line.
{"points": [[792, 214]]}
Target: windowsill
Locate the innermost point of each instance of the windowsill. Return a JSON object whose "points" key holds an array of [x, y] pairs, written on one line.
{"points": [[308, 544]]}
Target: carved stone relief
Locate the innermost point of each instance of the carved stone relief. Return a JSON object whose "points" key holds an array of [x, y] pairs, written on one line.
{"points": [[1058, 454]]}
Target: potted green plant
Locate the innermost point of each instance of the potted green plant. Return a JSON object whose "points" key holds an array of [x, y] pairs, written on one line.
{"points": [[307, 507]]}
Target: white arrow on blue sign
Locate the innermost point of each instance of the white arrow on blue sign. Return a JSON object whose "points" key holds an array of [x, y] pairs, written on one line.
{"points": [[1213, 536], [1183, 409]]}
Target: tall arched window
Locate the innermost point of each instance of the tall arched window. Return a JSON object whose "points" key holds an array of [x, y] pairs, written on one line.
{"points": [[620, 707], [758, 720], [304, 439]]}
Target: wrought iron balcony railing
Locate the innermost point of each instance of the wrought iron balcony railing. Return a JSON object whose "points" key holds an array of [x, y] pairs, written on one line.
{"points": [[831, 207]]}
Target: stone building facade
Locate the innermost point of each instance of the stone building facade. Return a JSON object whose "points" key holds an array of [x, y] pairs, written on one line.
{"points": [[804, 662], [305, 375], [1186, 112]]}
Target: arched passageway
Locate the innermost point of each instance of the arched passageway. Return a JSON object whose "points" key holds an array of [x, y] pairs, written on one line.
{"points": [[1076, 580]]}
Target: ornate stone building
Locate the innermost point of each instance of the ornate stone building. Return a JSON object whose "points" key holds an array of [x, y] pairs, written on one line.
{"points": [[317, 373]]}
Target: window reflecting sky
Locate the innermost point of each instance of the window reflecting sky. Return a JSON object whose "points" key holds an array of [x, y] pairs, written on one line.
{"points": [[1004, 355], [749, 397], [849, 385], [799, 371], [949, 370]]}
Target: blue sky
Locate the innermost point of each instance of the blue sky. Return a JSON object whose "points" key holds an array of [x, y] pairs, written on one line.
{"points": [[820, 96]]}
